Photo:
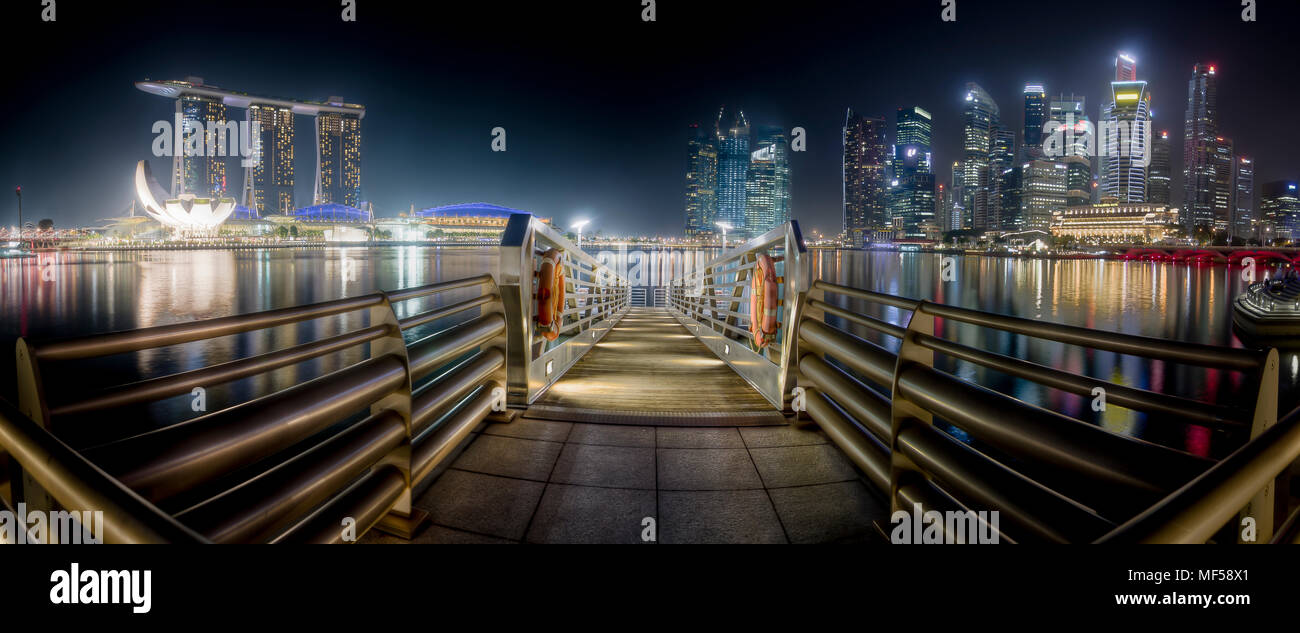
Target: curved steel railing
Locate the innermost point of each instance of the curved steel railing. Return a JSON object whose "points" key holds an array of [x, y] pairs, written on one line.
{"points": [[1051, 477], [287, 466]]}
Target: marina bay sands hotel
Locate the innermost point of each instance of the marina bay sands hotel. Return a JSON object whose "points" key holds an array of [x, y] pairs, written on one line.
{"points": [[269, 183]]}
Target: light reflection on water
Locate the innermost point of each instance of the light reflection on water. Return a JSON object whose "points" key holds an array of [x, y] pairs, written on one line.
{"points": [[64, 294]]}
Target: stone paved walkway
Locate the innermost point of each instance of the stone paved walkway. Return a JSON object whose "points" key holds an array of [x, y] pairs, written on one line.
{"points": [[540, 481]]}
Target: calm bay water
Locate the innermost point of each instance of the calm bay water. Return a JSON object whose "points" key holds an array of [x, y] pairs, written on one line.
{"points": [[65, 294]]}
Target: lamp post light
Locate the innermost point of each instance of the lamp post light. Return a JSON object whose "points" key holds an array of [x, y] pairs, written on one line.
{"points": [[725, 227], [578, 225]]}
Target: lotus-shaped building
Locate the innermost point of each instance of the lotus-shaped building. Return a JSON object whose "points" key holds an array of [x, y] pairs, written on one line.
{"points": [[187, 215]]}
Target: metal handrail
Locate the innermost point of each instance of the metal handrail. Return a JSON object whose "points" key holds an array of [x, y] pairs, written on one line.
{"points": [[534, 363], [79, 485], [885, 426], [694, 300], [392, 450], [1199, 509]]}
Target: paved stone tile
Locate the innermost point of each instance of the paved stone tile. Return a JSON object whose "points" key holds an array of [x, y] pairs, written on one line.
{"points": [[608, 466], [769, 436], [509, 457], [528, 429], [829, 513], [706, 469], [581, 514], [732, 516], [802, 465], [698, 438], [482, 503], [612, 435]]}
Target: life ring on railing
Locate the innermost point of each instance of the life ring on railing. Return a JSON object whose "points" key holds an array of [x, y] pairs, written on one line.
{"points": [[763, 302], [550, 294]]}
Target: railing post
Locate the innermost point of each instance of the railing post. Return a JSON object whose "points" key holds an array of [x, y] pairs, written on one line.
{"points": [[797, 275], [1262, 507], [901, 410], [31, 403], [514, 279]]}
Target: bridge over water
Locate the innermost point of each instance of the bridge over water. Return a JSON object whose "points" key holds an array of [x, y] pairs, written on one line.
{"points": [[636, 417]]}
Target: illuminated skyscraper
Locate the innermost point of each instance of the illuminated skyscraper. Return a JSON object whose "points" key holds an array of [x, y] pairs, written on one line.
{"points": [[958, 217], [1011, 198], [272, 175], [733, 169], [911, 186], [1158, 173], [1126, 68], [203, 119], [701, 182], [1243, 203], [980, 116], [1200, 133], [1223, 174], [865, 155], [1036, 113], [1043, 189], [338, 147], [1071, 143], [1002, 154], [1123, 142], [1279, 209], [767, 187]]}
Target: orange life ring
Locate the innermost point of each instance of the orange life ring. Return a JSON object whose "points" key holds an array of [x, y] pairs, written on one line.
{"points": [[763, 302], [550, 294]]}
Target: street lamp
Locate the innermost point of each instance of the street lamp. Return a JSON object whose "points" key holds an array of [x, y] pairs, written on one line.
{"points": [[725, 227], [578, 225]]}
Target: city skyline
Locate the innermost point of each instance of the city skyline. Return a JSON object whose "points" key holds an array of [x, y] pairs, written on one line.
{"points": [[427, 139]]}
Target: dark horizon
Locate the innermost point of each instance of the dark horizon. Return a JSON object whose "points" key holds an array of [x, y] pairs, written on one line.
{"points": [[596, 103]]}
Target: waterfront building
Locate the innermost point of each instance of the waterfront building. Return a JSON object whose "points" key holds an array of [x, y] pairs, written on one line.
{"points": [[1002, 154], [1201, 152], [1243, 199], [942, 208], [1012, 198], [701, 182], [864, 166], [912, 184], [186, 215], [338, 145], [980, 116], [733, 169], [1279, 209], [1042, 193], [1115, 223], [1036, 116], [1072, 144], [269, 182], [767, 186], [1158, 172], [1123, 142], [203, 172]]}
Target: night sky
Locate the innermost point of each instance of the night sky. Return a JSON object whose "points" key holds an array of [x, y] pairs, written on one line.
{"points": [[594, 101]]}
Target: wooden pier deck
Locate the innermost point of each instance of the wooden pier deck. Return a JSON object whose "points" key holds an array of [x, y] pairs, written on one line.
{"points": [[650, 370]]}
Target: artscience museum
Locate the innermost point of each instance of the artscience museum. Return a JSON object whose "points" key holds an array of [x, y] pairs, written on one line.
{"points": [[186, 215]]}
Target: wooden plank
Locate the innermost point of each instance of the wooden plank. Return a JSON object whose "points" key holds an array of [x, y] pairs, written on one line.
{"points": [[651, 367]]}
